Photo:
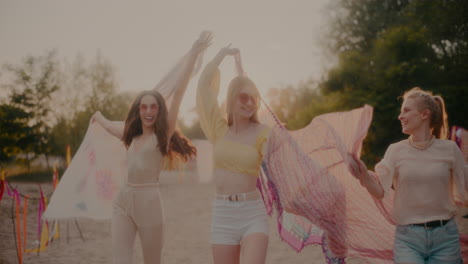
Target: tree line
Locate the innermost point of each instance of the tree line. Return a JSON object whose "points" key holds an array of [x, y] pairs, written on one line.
{"points": [[385, 47], [382, 47], [48, 104]]}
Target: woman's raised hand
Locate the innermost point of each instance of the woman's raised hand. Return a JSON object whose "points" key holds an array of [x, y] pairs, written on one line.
{"points": [[229, 51], [203, 42]]}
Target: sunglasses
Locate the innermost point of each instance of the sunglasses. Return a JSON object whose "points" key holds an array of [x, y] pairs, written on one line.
{"points": [[145, 107], [244, 98]]}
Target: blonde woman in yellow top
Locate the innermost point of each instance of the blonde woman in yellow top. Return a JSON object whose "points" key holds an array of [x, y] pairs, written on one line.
{"points": [[239, 218]]}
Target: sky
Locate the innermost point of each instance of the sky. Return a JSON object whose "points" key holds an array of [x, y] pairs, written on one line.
{"points": [[280, 41]]}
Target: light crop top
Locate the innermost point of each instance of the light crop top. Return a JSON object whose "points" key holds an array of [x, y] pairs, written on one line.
{"points": [[228, 155], [144, 164]]}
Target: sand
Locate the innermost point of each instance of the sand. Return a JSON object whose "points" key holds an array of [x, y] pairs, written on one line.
{"points": [[187, 208]]}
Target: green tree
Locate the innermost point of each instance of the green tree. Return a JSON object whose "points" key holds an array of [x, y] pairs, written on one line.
{"points": [[387, 47], [31, 86], [15, 134], [90, 88], [289, 100], [48, 104]]}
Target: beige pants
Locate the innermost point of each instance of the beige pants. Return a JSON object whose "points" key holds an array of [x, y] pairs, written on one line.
{"points": [[137, 209]]}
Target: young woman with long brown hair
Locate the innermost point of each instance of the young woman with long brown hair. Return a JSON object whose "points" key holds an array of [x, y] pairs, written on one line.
{"points": [[152, 142], [427, 173]]}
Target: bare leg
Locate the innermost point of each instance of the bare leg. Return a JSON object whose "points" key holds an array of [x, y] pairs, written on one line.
{"points": [[254, 248], [149, 218], [123, 237], [152, 238], [226, 254]]}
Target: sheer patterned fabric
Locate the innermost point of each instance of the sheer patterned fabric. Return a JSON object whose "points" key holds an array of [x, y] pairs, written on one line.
{"points": [[99, 167], [305, 177]]}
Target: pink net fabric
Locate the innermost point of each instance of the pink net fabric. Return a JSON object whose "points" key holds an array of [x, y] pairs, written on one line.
{"points": [[306, 179]]}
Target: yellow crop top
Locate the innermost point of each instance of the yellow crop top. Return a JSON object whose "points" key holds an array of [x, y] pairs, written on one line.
{"points": [[229, 155]]}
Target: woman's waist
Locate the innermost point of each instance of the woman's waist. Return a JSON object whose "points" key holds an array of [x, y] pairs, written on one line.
{"points": [[405, 216], [235, 174], [138, 185], [144, 180], [137, 190], [244, 169], [425, 202], [239, 197], [139, 171], [228, 182]]}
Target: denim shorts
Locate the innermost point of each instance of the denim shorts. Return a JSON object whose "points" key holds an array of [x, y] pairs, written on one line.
{"points": [[420, 245]]}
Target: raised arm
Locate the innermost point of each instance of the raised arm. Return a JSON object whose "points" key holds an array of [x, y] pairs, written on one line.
{"points": [[113, 127], [200, 45], [226, 51], [211, 119]]}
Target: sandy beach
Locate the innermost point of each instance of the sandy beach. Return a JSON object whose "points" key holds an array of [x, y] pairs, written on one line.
{"points": [[187, 208]]}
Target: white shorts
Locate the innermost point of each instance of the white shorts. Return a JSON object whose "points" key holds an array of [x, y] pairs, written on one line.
{"points": [[232, 221]]}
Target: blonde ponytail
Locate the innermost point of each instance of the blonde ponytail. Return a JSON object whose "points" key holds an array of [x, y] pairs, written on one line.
{"points": [[436, 105]]}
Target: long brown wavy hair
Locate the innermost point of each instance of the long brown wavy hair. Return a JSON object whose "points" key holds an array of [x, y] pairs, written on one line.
{"points": [[179, 147]]}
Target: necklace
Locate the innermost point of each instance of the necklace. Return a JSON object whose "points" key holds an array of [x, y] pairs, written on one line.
{"points": [[422, 146]]}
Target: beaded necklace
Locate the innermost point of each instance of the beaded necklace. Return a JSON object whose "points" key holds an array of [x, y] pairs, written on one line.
{"points": [[422, 146]]}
